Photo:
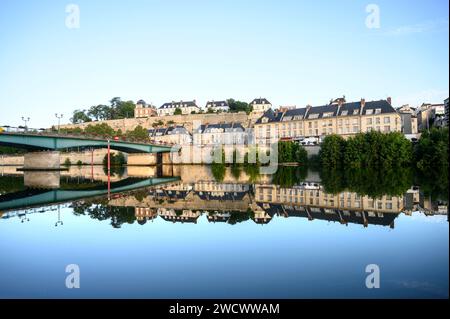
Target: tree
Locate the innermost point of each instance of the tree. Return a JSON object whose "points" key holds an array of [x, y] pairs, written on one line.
{"points": [[80, 116], [177, 111], [291, 152], [102, 129], [332, 150], [100, 112], [431, 158], [237, 106], [138, 133]]}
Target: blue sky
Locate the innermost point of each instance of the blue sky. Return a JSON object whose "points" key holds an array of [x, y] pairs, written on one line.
{"points": [[292, 52]]}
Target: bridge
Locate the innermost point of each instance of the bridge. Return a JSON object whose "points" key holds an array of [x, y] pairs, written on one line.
{"points": [[44, 146], [35, 198], [47, 141]]}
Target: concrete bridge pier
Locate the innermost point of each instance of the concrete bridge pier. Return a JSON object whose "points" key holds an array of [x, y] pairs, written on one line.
{"points": [[42, 179], [42, 161]]}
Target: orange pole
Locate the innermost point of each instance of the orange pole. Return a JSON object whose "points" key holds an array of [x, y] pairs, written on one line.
{"points": [[92, 164]]}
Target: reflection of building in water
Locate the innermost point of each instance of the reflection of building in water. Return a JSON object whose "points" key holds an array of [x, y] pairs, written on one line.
{"points": [[313, 203], [344, 217], [184, 216], [304, 195], [145, 213], [218, 217], [262, 216]]}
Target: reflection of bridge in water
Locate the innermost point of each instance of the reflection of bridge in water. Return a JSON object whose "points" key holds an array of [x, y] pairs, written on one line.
{"points": [[40, 197]]}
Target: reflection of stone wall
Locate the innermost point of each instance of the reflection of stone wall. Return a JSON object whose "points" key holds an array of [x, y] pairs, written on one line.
{"points": [[85, 157], [6, 160]]}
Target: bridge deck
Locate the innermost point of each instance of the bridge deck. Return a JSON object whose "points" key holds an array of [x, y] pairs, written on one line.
{"points": [[48, 141]]}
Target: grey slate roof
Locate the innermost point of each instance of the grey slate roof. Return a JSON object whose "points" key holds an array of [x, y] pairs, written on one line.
{"points": [[317, 112], [180, 104], [223, 127], [216, 104], [167, 131], [260, 101]]}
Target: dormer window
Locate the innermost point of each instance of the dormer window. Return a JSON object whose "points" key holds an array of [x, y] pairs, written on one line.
{"points": [[369, 112], [377, 111], [314, 116], [355, 112], [344, 113], [265, 120]]}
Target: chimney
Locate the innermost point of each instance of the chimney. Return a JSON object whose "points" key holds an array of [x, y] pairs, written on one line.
{"points": [[363, 103], [389, 100]]}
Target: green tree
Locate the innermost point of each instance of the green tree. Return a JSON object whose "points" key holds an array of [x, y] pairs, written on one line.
{"points": [[138, 133], [177, 111], [332, 151], [80, 116], [237, 106], [99, 112]]}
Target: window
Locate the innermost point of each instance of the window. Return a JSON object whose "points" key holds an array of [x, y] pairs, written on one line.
{"points": [[344, 113], [387, 128], [355, 121], [314, 116], [369, 121], [377, 111], [377, 120], [355, 112], [355, 129], [328, 114], [369, 112], [387, 120], [340, 122]]}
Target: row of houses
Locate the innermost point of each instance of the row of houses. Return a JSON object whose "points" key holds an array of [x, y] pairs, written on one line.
{"points": [[338, 117], [191, 107], [208, 134]]}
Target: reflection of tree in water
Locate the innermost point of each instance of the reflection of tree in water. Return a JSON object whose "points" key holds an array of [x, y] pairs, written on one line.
{"points": [[434, 184], [288, 176], [239, 217], [218, 171], [236, 171], [11, 184], [101, 211], [115, 170], [368, 181]]}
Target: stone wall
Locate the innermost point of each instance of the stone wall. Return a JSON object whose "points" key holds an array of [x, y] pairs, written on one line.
{"points": [[185, 120]]}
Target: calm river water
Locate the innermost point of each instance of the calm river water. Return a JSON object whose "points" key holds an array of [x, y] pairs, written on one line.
{"points": [[202, 232]]}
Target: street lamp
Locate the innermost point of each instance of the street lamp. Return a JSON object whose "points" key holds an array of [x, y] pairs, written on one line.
{"points": [[59, 222], [59, 117], [25, 120]]}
